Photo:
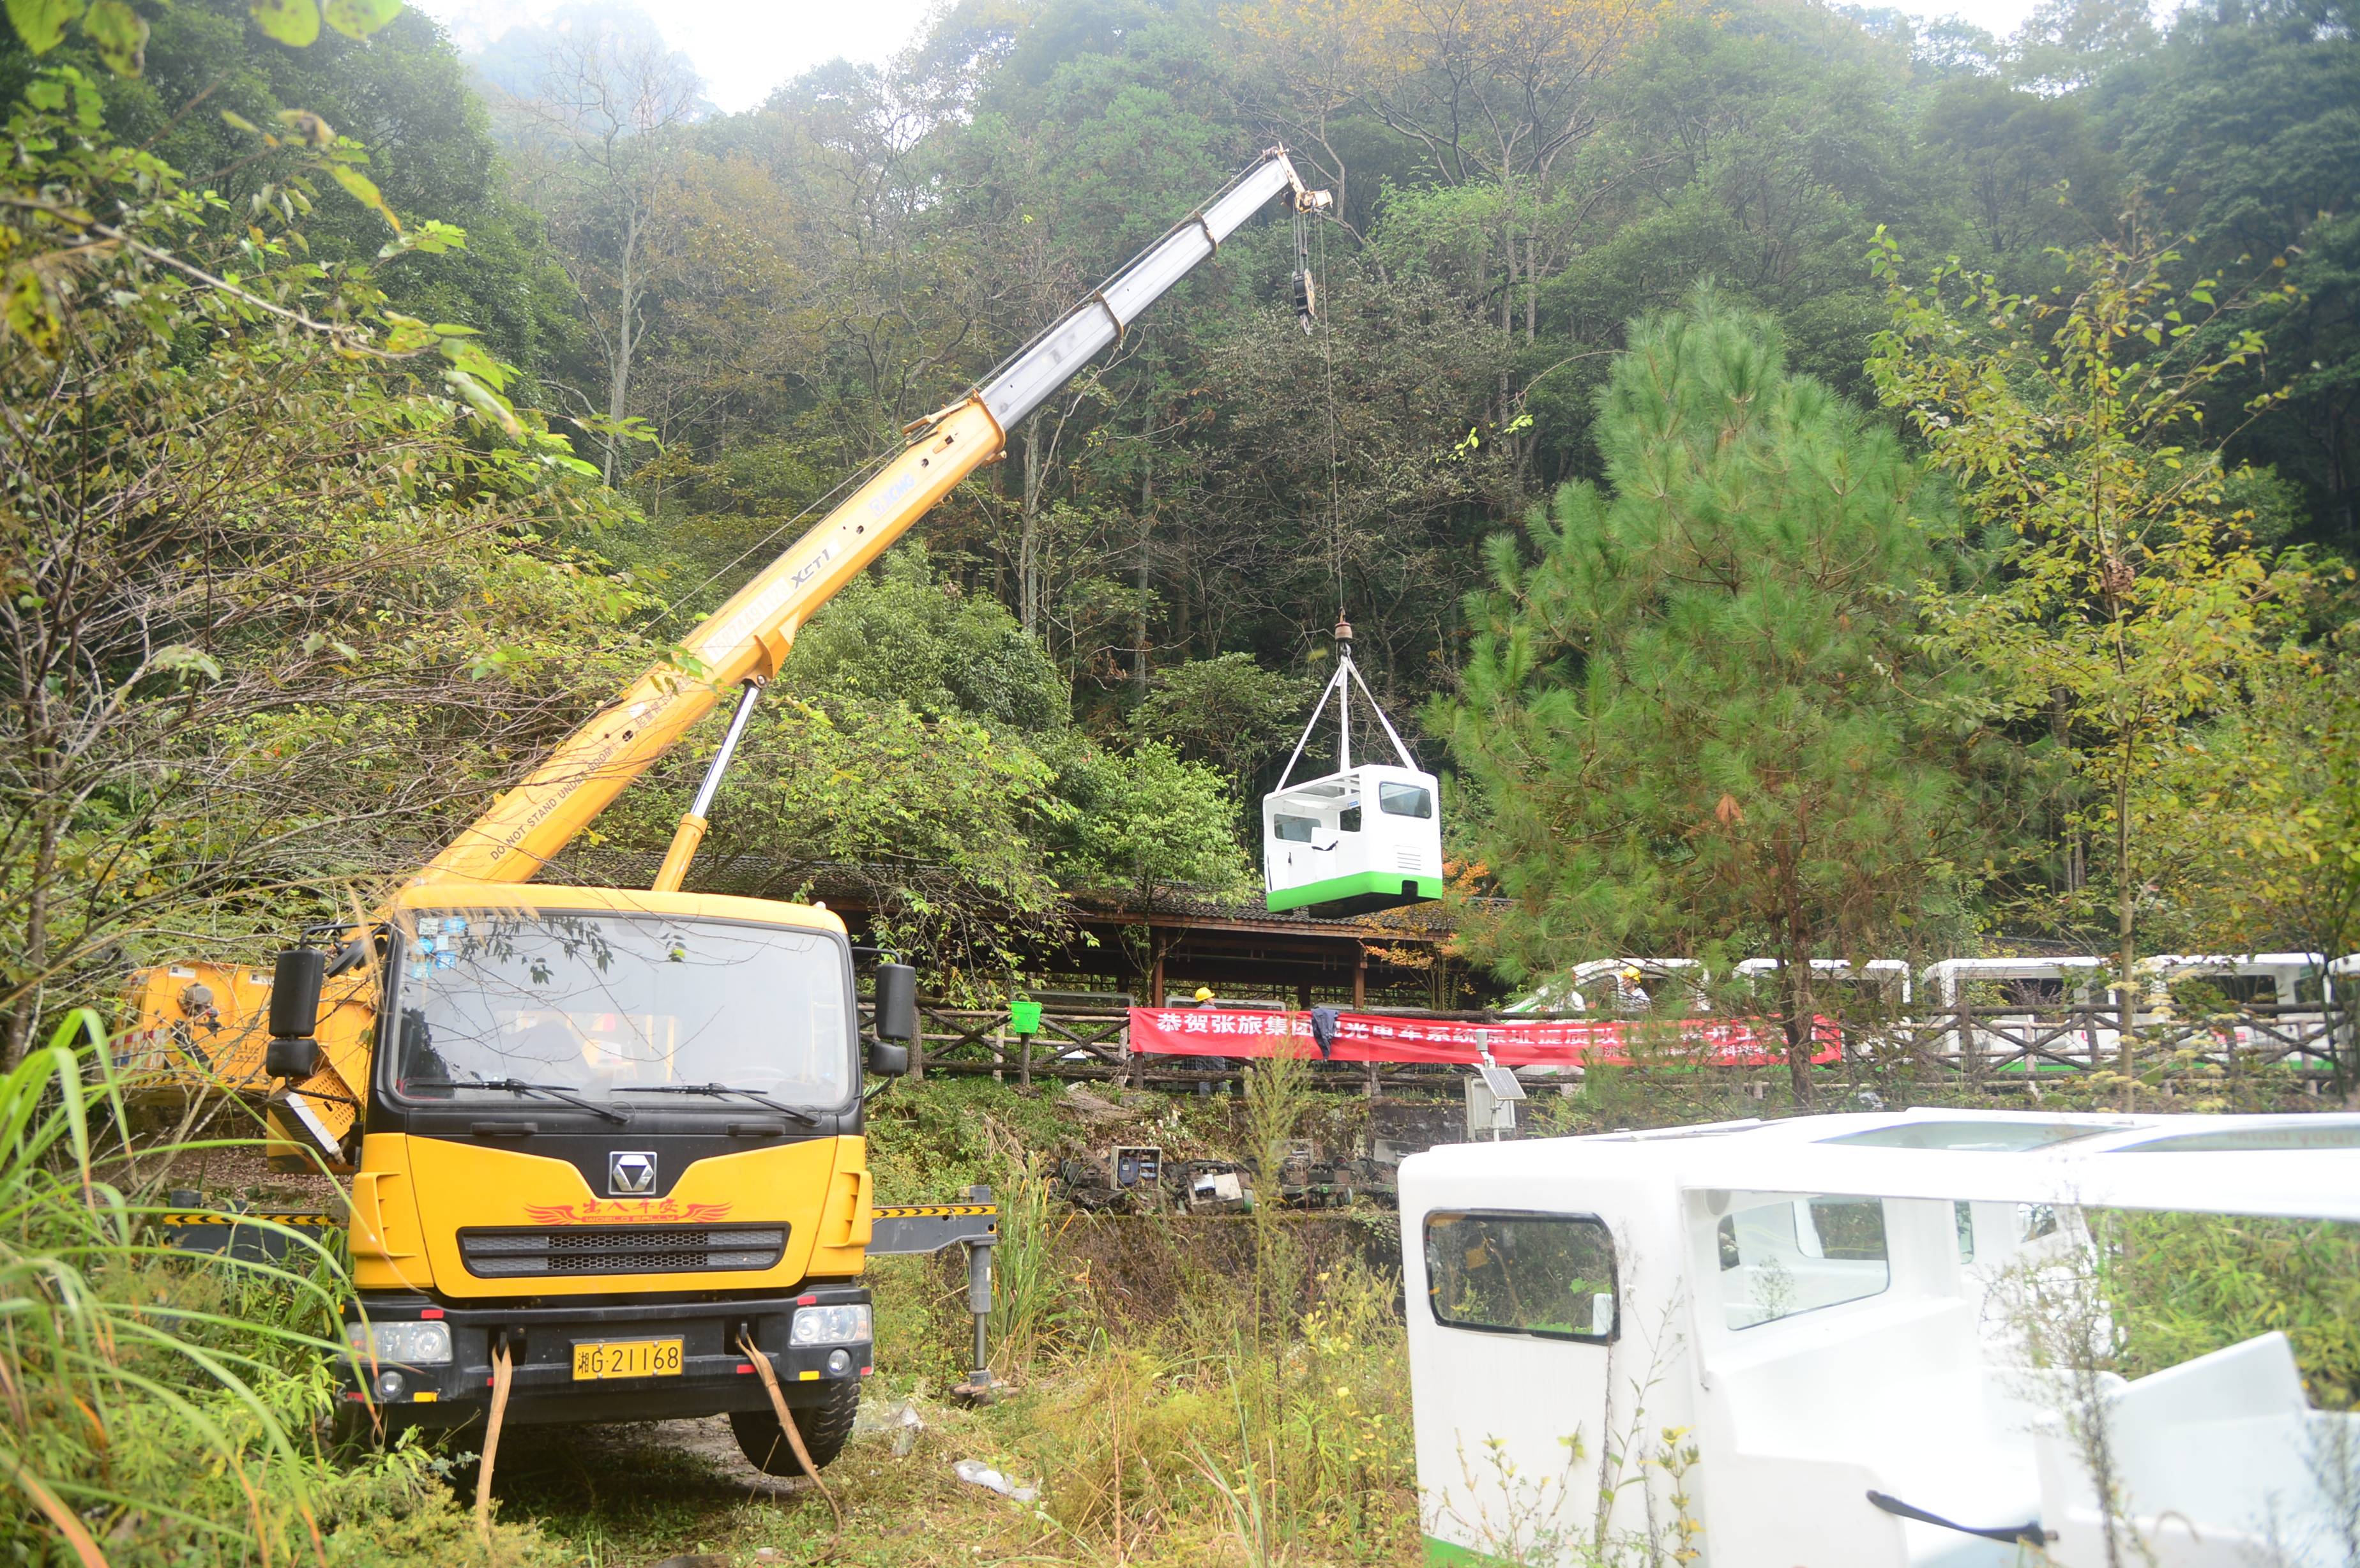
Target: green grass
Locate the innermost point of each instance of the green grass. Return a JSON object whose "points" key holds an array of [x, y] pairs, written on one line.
{"points": [[164, 1409]]}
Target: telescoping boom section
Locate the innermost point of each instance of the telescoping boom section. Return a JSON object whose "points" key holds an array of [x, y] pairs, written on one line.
{"points": [[748, 638]]}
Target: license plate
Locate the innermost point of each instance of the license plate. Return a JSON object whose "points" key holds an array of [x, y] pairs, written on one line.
{"points": [[625, 1359]]}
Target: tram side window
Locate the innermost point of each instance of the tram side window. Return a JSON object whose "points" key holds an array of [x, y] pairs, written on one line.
{"points": [[1797, 1254], [1550, 1275], [1293, 830], [1404, 801]]}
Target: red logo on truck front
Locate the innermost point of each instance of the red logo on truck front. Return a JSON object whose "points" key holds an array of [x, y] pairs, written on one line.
{"points": [[650, 1211]]}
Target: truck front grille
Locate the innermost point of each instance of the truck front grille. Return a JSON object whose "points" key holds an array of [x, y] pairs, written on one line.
{"points": [[620, 1249]]}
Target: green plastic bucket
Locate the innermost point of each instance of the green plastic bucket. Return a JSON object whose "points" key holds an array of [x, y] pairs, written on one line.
{"points": [[1025, 1018]]}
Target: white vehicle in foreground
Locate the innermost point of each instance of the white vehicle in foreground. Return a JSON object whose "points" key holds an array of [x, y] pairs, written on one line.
{"points": [[1809, 1344]]}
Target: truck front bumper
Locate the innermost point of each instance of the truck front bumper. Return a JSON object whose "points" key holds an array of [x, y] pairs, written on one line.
{"points": [[714, 1374]]}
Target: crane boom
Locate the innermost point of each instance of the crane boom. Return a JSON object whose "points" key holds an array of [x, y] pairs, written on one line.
{"points": [[748, 638]]}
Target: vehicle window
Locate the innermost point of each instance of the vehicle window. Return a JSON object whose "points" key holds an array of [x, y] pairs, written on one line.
{"points": [[1404, 801], [616, 1004], [1551, 1276], [1293, 830], [2251, 1139], [1349, 820], [1974, 1137], [1965, 1213], [1798, 1255]]}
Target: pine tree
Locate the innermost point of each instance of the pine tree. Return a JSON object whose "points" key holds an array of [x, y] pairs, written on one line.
{"points": [[1693, 721]]}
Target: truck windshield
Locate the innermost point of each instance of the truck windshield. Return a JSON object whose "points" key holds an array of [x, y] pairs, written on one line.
{"points": [[597, 1004]]}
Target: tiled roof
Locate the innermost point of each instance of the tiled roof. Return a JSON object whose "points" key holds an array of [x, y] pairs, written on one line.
{"points": [[858, 886]]}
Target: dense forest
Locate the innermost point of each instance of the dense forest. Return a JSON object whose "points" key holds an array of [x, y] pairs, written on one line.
{"points": [[372, 411]]}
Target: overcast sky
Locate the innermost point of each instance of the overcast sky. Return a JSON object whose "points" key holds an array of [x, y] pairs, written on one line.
{"points": [[746, 48]]}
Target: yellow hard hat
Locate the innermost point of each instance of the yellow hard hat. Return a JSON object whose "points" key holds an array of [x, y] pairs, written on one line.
{"points": [[1630, 972], [1204, 993]]}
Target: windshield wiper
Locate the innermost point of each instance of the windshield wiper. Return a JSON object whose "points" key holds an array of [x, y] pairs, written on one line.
{"points": [[519, 1087], [717, 1089]]}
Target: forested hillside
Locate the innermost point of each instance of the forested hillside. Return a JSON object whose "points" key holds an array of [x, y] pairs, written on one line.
{"points": [[668, 334]]}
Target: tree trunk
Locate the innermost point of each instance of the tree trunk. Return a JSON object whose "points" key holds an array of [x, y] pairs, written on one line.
{"points": [[24, 1017], [1794, 980], [1795, 974], [1507, 324], [618, 371], [2126, 939], [1028, 533], [1532, 291], [1146, 527]]}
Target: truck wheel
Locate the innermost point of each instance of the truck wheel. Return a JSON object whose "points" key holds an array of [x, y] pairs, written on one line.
{"points": [[823, 1427]]}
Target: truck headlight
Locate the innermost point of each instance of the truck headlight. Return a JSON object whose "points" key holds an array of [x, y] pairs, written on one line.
{"points": [[830, 1325], [409, 1344]]}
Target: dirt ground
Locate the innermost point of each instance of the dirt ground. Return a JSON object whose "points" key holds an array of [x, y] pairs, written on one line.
{"points": [[627, 1496]]}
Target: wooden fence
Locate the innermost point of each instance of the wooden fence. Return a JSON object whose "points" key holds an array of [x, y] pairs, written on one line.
{"points": [[1995, 1043], [2001, 1048]]}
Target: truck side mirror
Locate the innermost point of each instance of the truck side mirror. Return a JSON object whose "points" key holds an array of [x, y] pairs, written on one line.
{"points": [[897, 1019], [897, 1003], [295, 983]]}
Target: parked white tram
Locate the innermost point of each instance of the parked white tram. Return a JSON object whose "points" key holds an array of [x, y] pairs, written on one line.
{"points": [[1797, 1342]]}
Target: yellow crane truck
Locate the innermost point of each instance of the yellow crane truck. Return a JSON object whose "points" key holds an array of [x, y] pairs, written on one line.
{"points": [[606, 1145]]}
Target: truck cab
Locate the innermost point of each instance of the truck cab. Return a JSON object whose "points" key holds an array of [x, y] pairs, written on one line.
{"points": [[619, 1133]]}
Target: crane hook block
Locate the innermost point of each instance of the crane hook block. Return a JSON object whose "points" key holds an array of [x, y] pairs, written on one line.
{"points": [[1306, 300]]}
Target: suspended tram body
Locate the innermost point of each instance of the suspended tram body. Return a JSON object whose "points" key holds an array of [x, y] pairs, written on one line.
{"points": [[1361, 839], [1367, 838]]}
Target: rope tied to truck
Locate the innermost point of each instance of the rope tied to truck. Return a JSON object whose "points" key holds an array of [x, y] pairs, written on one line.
{"points": [[503, 1378], [768, 1373]]}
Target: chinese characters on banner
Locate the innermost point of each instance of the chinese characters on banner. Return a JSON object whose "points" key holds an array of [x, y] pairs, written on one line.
{"points": [[1367, 1037]]}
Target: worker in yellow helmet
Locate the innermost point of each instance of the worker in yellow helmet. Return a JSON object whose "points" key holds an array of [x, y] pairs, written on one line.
{"points": [[1204, 1002], [1631, 995]]}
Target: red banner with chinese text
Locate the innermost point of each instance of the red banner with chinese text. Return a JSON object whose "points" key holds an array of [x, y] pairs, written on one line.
{"points": [[1371, 1037]]}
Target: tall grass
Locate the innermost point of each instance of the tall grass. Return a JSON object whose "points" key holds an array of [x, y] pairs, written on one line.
{"points": [[1278, 1093], [156, 1407], [1180, 1442], [1028, 1294]]}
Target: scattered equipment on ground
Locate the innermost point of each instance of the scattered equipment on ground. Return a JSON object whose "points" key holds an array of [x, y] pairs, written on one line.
{"points": [[1358, 839], [607, 1144], [1492, 1095]]}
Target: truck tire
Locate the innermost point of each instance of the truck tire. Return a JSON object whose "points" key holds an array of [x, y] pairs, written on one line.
{"points": [[823, 1427]]}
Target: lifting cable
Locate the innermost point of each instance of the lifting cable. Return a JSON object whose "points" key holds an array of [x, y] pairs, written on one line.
{"points": [[1335, 459], [1345, 674], [769, 1376]]}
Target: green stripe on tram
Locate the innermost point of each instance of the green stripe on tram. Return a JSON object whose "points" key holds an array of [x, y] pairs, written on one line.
{"points": [[1361, 884], [1440, 1554]]}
